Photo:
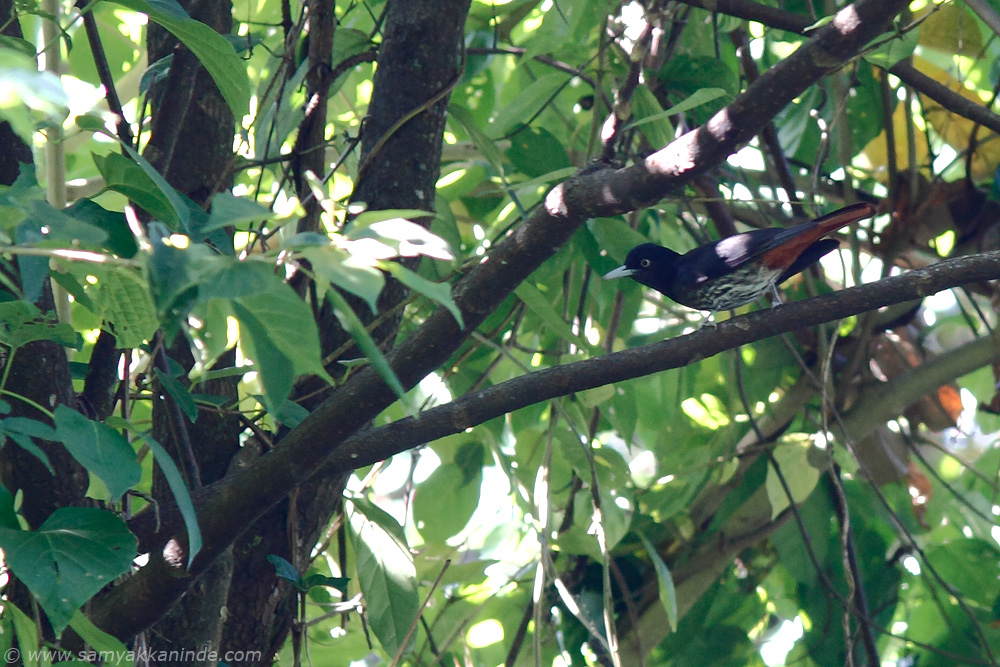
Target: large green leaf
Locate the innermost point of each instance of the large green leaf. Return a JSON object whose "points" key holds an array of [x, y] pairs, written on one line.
{"points": [[124, 299], [281, 336], [386, 572], [445, 501], [214, 52], [73, 554], [100, 449]]}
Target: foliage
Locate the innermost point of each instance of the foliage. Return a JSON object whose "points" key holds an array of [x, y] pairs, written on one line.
{"points": [[726, 511]]}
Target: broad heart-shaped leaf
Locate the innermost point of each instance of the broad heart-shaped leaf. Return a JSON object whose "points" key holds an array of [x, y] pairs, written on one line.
{"points": [[21, 323], [100, 449], [386, 573], [127, 305], [73, 554], [214, 52]]}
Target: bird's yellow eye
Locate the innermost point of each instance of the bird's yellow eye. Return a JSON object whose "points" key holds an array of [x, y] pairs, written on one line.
{"points": [[645, 263]]}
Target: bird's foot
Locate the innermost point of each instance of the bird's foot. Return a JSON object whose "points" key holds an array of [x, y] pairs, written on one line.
{"points": [[775, 297]]}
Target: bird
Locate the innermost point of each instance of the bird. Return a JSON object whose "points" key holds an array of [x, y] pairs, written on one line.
{"points": [[738, 269]]}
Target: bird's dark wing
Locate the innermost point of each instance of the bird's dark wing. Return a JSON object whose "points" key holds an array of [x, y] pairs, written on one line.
{"points": [[710, 261]]}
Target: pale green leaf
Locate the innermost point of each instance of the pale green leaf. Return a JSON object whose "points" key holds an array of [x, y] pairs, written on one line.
{"points": [[664, 580], [439, 292], [386, 572], [792, 457]]}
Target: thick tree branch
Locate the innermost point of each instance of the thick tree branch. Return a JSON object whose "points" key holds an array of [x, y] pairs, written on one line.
{"points": [[785, 20], [227, 508]]}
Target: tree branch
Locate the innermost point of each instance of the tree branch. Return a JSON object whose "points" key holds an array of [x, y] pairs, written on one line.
{"points": [[785, 20], [454, 417]]}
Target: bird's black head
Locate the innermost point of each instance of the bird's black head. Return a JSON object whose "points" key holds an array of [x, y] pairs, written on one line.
{"points": [[650, 265]]}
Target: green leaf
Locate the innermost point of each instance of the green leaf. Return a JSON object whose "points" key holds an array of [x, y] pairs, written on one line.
{"points": [[350, 273], [665, 582], [897, 48], [969, 565], [274, 368], [177, 202], [214, 52], [647, 111], [527, 103], [407, 238], [124, 299], [24, 431], [126, 177], [539, 304], [439, 292], [386, 572], [485, 144], [100, 449], [284, 338], [353, 326], [229, 210], [792, 457], [26, 90], [445, 501], [27, 634], [8, 517], [22, 323], [180, 491], [285, 570], [75, 553], [179, 393], [535, 152], [112, 651], [120, 239], [650, 118]]}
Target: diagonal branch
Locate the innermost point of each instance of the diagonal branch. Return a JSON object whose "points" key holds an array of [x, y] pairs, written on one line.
{"points": [[907, 73], [228, 507], [454, 417]]}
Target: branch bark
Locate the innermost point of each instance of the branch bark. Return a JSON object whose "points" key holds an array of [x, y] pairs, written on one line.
{"points": [[784, 20]]}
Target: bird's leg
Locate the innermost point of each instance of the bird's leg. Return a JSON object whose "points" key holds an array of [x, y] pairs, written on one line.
{"points": [[707, 320], [775, 296]]}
